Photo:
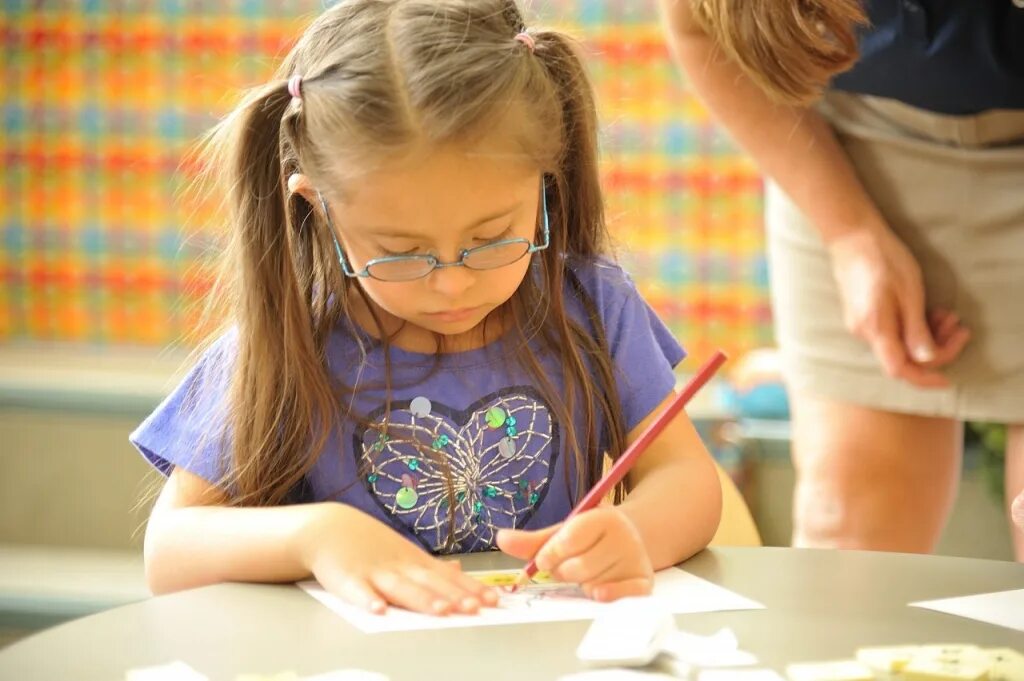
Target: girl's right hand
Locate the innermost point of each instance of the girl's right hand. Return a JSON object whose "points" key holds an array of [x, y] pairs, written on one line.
{"points": [[368, 564], [882, 294]]}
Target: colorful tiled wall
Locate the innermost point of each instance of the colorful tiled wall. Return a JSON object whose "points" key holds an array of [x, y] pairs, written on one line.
{"points": [[100, 101]]}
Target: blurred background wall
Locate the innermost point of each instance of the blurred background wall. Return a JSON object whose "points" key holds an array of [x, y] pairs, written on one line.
{"points": [[103, 99], [102, 263]]}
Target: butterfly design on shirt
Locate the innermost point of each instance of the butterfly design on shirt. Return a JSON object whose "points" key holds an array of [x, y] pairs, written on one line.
{"points": [[455, 477]]}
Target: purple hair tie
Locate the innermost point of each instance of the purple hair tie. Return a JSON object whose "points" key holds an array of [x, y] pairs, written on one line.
{"points": [[295, 87], [526, 39]]}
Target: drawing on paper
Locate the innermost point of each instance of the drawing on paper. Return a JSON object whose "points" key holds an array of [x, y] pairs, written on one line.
{"points": [[543, 588]]}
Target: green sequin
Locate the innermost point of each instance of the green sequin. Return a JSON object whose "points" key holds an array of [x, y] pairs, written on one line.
{"points": [[495, 417], [413, 464], [491, 491], [534, 497], [372, 478], [478, 506], [406, 497]]}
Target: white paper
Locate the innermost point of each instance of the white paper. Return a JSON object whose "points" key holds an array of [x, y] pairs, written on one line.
{"points": [[616, 674], [718, 650], [739, 675], [175, 671], [1003, 608], [674, 590], [347, 675]]}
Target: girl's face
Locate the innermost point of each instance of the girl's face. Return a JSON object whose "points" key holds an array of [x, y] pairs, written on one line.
{"points": [[440, 203]]}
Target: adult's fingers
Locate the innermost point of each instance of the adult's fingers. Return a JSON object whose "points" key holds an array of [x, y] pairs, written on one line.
{"points": [[950, 336], [917, 336], [943, 323], [952, 347], [891, 352]]}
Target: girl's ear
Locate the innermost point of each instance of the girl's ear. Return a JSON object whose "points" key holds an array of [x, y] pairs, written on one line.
{"points": [[300, 184]]}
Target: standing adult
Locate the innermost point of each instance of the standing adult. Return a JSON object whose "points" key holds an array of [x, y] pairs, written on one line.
{"points": [[893, 136]]}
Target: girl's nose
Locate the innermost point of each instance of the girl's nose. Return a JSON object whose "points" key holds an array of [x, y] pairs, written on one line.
{"points": [[452, 281]]}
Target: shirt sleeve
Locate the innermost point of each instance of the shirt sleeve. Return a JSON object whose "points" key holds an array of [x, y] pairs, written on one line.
{"points": [[189, 428], [644, 352]]}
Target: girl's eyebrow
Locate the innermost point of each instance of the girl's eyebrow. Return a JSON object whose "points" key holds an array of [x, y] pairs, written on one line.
{"points": [[400, 233]]}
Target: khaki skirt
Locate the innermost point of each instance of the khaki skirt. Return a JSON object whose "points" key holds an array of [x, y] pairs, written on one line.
{"points": [[952, 188]]}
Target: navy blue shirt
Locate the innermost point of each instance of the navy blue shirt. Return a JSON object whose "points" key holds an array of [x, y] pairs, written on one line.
{"points": [[947, 56]]}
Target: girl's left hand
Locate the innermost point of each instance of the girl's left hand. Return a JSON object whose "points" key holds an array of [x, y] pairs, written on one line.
{"points": [[601, 550]]}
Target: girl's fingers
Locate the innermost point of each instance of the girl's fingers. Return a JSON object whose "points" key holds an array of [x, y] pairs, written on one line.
{"points": [[476, 589], [446, 583], [577, 537], [525, 543], [593, 566], [360, 593], [399, 588], [611, 591]]}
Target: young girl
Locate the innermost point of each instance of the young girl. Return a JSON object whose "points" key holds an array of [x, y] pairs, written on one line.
{"points": [[428, 353]]}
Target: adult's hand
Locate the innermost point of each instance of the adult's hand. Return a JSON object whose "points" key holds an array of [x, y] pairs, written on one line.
{"points": [[882, 295]]}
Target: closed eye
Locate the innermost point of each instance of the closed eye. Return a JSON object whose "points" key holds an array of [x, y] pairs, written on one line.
{"points": [[396, 254], [505, 233], [477, 241]]}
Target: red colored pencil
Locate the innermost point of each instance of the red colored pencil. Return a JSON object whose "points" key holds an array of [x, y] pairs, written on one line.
{"points": [[633, 452]]}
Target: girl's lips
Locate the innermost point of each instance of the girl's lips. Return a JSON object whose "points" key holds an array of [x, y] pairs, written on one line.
{"points": [[456, 315]]}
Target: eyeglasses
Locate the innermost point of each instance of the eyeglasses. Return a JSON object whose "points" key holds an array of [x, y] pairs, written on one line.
{"points": [[409, 267]]}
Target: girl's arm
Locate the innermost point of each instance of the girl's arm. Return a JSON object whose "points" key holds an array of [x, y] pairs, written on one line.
{"points": [[879, 281], [675, 497], [193, 539], [671, 512]]}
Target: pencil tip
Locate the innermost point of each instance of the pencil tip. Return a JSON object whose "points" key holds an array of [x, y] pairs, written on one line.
{"points": [[524, 579]]}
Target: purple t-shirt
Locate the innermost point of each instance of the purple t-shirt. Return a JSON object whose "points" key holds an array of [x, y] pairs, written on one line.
{"points": [[506, 462]]}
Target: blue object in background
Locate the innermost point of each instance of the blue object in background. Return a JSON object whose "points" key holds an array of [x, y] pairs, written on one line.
{"points": [[763, 401]]}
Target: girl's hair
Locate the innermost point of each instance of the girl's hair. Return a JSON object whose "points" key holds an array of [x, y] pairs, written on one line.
{"points": [[790, 48], [379, 77]]}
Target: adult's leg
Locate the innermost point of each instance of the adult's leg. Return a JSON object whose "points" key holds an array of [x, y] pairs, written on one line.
{"points": [[871, 479]]}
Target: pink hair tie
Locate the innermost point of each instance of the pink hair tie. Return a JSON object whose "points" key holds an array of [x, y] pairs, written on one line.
{"points": [[295, 87], [526, 39]]}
